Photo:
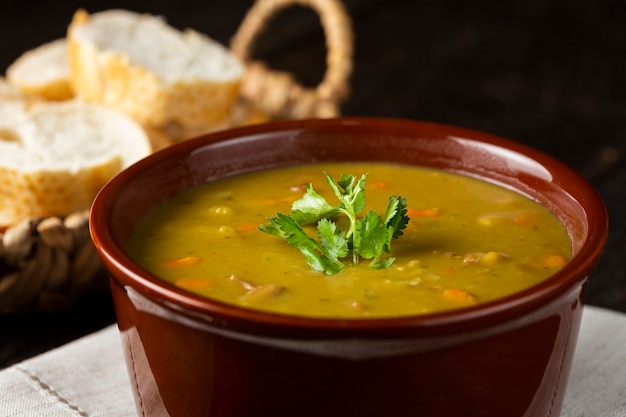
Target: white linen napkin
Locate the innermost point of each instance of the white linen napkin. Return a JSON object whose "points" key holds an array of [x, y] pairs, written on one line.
{"points": [[597, 383], [87, 377]]}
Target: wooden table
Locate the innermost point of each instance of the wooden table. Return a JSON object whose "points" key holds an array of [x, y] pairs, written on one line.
{"points": [[550, 74]]}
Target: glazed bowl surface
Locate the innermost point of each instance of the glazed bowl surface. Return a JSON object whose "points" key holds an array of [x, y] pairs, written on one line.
{"points": [[191, 356]]}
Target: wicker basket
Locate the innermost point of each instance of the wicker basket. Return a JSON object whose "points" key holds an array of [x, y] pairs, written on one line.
{"points": [[46, 264]]}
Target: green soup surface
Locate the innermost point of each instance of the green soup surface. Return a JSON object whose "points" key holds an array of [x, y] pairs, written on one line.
{"points": [[467, 242]]}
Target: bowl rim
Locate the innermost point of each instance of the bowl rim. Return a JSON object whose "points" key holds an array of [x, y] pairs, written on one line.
{"points": [[570, 278]]}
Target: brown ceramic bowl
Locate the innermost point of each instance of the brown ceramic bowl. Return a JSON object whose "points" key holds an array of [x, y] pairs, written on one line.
{"points": [[189, 356]]}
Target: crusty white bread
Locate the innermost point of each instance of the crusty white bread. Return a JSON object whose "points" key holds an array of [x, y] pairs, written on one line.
{"points": [[56, 155], [10, 91], [160, 76], [43, 71]]}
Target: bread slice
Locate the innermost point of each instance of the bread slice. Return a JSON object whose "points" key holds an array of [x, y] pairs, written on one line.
{"points": [[55, 156], [151, 71], [10, 91], [43, 71]]}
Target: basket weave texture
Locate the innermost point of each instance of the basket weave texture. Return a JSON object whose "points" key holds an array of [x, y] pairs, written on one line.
{"points": [[46, 264]]}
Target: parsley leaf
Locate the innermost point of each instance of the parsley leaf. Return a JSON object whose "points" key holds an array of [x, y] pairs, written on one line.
{"points": [[369, 237], [312, 207], [333, 241], [396, 217], [317, 256]]}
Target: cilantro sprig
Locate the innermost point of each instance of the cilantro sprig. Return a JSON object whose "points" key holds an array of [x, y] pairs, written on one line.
{"points": [[367, 237]]}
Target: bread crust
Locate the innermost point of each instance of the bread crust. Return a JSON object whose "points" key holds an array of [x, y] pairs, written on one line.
{"points": [[43, 71], [115, 79], [55, 156], [110, 86]]}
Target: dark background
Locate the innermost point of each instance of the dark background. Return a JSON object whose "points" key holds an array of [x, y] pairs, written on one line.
{"points": [[548, 73]]}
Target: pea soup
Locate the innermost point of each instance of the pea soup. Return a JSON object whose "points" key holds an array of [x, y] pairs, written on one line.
{"points": [[467, 242]]}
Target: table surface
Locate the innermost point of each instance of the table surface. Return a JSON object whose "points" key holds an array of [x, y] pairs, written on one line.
{"points": [[550, 74]]}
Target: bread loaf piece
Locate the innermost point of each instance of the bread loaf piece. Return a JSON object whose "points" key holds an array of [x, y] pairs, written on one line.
{"points": [[151, 71], [55, 156], [9, 91], [43, 71]]}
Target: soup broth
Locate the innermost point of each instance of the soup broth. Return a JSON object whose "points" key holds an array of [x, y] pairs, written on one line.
{"points": [[467, 242]]}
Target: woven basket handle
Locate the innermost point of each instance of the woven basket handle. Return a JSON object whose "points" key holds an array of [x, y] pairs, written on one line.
{"points": [[46, 264], [277, 93]]}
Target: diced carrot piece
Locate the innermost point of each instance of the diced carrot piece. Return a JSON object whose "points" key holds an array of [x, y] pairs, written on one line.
{"points": [[265, 202], [450, 270], [459, 296], [182, 262], [554, 261], [195, 283], [379, 185], [524, 218], [429, 212], [247, 227]]}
